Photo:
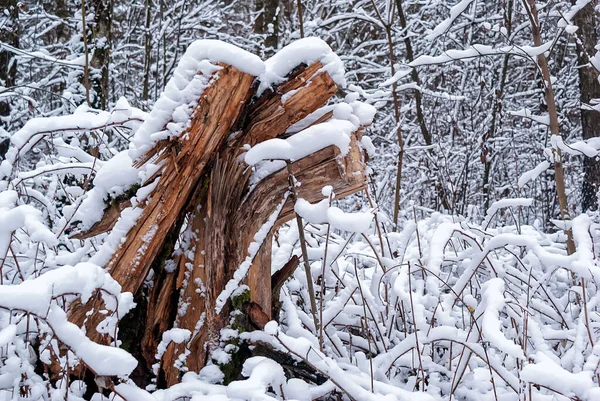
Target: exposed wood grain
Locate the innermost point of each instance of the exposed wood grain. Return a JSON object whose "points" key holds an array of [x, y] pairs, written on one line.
{"points": [[273, 113], [192, 304], [220, 248], [225, 243], [161, 302], [259, 277], [257, 315], [202, 178], [210, 126], [265, 119], [283, 274], [109, 218]]}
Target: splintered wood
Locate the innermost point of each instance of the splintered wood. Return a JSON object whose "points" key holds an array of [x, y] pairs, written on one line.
{"points": [[204, 186]]}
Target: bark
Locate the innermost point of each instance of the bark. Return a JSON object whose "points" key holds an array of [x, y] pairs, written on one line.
{"points": [[129, 266], [204, 183], [265, 119], [589, 88], [8, 64], [559, 173], [230, 208], [267, 23], [109, 218], [147, 51], [102, 43]]}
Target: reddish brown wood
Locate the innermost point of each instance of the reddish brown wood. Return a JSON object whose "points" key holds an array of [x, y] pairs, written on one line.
{"points": [[225, 245], [162, 303], [283, 274], [226, 240], [257, 315], [192, 301], [303, 93], [211, 124], [203, 179], [259, 277]]}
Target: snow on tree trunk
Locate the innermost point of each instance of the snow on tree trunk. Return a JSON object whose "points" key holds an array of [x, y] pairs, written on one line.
{"points": [[196, 178]]}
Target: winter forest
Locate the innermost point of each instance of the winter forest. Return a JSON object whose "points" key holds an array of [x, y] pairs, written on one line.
{"points": [[300, 200]]}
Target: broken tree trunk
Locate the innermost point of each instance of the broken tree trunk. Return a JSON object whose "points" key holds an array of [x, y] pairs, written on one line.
{"points": [[211, 124], [229, 217]]}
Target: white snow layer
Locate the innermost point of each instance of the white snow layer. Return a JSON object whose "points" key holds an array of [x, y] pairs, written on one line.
{"points": [[304, 143], [36, 297], [269, 156], [307, 51], [196, 70], [13, 217], [455, 12], [478, 50], [493, 299], [83, 119], [171, 115], [321, 213], [172, 111]]}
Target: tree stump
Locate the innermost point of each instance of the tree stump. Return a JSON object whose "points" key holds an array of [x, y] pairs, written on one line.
{"points": [[205, 190]]}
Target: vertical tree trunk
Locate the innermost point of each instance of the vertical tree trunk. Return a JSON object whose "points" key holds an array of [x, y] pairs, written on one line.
{"points": [[8, 63], [419, 100], [102, 42], [147, 51], [589, 88], [486, 157], [559, 172], [62, 31], [267, 23]]}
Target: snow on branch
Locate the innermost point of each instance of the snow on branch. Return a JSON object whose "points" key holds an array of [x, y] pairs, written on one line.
{"points": [[479, 50], [455, 12], [83, 119], [37, 297]]}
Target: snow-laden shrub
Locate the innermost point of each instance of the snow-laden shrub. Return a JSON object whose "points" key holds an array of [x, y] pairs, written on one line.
{"points": [[443, 308]]}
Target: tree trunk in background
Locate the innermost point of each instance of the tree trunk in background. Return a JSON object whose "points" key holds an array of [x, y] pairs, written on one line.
{"points": [[267, 23], [102, 44], [62, 31], [589, 88], [8, 64], [410, 56], [57, 38], [559, 171], [147, 51]]}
